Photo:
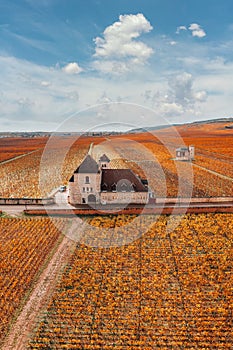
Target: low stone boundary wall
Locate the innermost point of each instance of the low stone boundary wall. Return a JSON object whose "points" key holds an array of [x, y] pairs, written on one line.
{"points": [[27, 201], [179, 200], [130, 211]]}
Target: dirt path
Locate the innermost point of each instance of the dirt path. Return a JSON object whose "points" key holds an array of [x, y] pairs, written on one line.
{"points": [[20, 332], [18, 157], [214, 172]]}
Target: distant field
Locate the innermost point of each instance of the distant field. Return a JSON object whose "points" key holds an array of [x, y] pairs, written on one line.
{"points": [[163, 291], [20, 177], [16, 146], [212, 169]]}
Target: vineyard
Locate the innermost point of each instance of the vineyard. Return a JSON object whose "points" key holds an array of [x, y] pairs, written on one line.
{"points": [[42, 169], [38, 173], [210, 175], [25, 246], [132, 282], [168, 289], [17, 146]]}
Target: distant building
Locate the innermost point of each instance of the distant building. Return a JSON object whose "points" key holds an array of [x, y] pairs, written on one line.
{"points": [[185, 153], [94, 182]]}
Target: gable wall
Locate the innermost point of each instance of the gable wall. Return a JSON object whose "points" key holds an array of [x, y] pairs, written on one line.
{"points": [[76, 188]]}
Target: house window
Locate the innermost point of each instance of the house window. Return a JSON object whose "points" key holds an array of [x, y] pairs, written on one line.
{"points": [[87, 180], [83, 189], [83, 200], [91, 189]]}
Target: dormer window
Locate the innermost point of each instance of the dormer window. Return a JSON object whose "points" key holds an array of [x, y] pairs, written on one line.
{"points": [[132, 187], [104, 187], [123, 187], [114, 187]]}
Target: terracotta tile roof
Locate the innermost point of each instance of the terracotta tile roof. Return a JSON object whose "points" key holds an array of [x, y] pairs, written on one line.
{"points": [[121, 180], [88, 166]]}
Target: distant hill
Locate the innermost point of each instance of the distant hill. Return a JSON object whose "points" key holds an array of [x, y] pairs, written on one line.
{"points": [[210, 121], [149, 128], [107, 133], [199, 122]]}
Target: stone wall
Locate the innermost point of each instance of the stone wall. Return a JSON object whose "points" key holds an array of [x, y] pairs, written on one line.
{"points": [[25, 201], [83, 186], [124, 197], [193, 200]]}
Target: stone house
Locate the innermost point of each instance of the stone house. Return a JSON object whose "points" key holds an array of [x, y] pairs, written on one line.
{"points": [[185, 153], [94, 182]]}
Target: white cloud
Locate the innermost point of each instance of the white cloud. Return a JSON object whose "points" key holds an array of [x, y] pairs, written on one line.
{"points": [[72, 68], [172, 43], [197, 30], [180, 28], [179, 99], [25, 102], [172, 109], [118, 46], [181, 87], [45, 83], [111, 66], [200, 96], [182, 91], [104, 98]]}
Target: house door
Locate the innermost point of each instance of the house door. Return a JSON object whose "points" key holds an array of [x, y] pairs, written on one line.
{"points": [[91, 198]]}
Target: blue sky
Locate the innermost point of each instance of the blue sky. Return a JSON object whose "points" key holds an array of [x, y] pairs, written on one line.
{"points": [[59, 57]]}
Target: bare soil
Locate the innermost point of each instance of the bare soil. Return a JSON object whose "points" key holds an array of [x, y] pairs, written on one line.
{"points": [[18, 337]]}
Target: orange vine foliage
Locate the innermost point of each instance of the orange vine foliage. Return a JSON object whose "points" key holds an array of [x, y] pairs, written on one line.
{"points": [[12, 147], [21, 177], [25, 245], [167, 177], [169, 289], [213, 158]]}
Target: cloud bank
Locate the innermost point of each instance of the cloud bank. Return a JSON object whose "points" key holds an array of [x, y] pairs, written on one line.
{"points": [[181, 80]]}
